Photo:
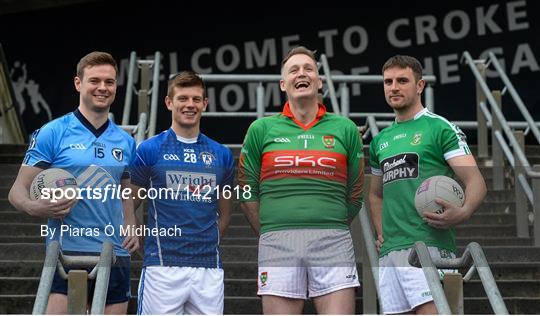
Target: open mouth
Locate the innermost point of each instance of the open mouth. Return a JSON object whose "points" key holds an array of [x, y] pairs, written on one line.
{"points": [[301, 84], [101, 97], [189, 113]]}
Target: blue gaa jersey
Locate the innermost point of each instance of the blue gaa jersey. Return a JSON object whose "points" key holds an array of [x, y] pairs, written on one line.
{"points": [[99, 159], [182, 181]]}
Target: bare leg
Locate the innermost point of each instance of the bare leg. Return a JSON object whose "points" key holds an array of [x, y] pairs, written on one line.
{"points": [[338, 302], [273, 305], [428, 308], [57, 304]]}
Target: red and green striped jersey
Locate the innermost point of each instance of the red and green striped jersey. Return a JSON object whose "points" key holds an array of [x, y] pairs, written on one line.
{"points": [[303, 176]]}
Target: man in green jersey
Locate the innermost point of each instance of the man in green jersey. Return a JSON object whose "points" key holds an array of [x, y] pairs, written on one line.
{"points": [[417, 146], [305, 171]]}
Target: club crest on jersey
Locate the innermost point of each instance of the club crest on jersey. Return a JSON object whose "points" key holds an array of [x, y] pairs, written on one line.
{"points": [[207, 158], [417, 138], [328, 141], [264, 278], [118, 154]]}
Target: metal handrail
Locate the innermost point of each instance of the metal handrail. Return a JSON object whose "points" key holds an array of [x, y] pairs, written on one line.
{"points": [[473, 255], [106, 259], [499, 115], [152, 119], [129, 88], [330, 83], [517, 99], [56, 261], [46, 279]]}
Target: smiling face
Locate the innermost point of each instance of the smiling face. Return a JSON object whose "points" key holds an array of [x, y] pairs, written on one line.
{"points": [[186, 105], [401, 89], [300, 78], [97, 87]]}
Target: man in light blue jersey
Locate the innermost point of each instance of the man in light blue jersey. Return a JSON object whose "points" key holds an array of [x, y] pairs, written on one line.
{"points": [[98, 153], [187, 179]]}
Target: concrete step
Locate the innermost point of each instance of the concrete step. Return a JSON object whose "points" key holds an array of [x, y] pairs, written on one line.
{"points": [[22, 304], [236, 253], [248, 287], [529, 270], [10, 169], [495, 241]]}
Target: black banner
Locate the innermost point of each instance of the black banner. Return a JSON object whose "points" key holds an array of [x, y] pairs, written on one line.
{"points": [[43, 48]]}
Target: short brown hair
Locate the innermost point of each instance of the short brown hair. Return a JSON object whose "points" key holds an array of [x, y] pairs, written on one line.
{"points": [[299, 50], [404, 61], [95, 59], [184, 79]]}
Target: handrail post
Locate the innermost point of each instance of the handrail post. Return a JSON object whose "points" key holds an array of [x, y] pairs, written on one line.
{"points": [[145, 88], [152, 116], [330, 83], [345, 99], [260, 100], [536, 207], [77, 292], [432, 277], [488, 281], [365, 246], [482, 134], [496, 149], [47, 276], [129, 88], [453, 289], [102, 279], [429, 98], [522, 221]]}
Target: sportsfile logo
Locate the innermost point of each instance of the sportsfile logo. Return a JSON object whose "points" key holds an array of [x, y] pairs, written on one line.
{"points": [[180, 180]]}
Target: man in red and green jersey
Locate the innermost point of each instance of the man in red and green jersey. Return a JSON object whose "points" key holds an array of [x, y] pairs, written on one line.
{"points": [[417, 146], [304, 168]]}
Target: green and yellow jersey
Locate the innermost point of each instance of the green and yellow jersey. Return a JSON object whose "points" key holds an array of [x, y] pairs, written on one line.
{"points": [[405, 154]]}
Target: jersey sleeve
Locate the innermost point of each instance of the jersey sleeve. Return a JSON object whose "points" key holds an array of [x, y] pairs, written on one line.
{"points": [[228, 165], [453, 141], [249, 166], [355, 171], [132, 155], [373, 159], [41, 151], [140, 168]]}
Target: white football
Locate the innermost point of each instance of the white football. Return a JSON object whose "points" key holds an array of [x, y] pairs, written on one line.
{"points": [[51, 178], [437, 187]]}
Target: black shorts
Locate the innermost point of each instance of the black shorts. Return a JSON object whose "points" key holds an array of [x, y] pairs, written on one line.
{"points": [[119, 282]]}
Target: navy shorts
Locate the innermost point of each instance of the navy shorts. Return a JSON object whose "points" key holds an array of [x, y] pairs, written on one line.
{"points": [[119, 282]]}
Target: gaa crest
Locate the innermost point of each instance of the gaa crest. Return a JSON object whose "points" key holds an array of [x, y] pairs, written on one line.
{"points": [[264, 278], [328, 141], [417, 138], [118, 154], [207, 158]]}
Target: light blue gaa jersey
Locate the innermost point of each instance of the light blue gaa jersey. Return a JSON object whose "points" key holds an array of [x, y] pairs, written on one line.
{"points": [[99, 159], [186, 177]]}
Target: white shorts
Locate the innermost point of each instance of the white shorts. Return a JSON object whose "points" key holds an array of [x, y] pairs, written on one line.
{"points": [[180, 290], [298, 263], [402, 287]]}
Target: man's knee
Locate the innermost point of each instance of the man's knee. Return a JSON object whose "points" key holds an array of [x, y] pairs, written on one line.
{"points": [[338, 302], [57, 304], [281, 305]]}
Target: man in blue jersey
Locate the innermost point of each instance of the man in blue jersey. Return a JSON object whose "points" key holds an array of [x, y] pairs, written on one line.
{"points": [[98, 153], [187, 179]]}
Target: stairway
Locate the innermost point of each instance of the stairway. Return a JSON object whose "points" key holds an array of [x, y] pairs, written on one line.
{"points": [[514, 261]]}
